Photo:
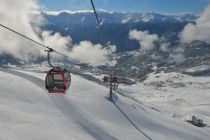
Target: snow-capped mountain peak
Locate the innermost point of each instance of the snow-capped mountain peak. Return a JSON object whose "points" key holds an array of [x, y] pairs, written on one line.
{"points": [[56, 13]]}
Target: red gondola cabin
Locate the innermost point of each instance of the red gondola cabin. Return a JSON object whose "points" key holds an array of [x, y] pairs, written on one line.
{"points": [[105, 79], [58, 81], [114, 80]]}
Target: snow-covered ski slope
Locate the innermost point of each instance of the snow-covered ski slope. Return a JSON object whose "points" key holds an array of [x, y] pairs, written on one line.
{"points": [[174, 94], [28, 112]]}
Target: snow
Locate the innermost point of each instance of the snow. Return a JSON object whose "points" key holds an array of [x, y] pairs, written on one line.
{"points": [[56, 13], [27, 111], [147, 17], [95, 75], [67, 29], [173, 94], [126, 19], [198, 68]]}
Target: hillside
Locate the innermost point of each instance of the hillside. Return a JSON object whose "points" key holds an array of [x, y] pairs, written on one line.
{"points": [[84, 113]]}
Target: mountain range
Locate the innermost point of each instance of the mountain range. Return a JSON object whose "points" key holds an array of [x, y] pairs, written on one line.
{"points": [[81, 25]]}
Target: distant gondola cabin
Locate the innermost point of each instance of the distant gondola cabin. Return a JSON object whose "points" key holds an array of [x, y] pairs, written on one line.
{"points": [[105, 79], [114, 80]]}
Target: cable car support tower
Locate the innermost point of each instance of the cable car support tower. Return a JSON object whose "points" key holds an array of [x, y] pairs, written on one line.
{"points": [[108, 50]]}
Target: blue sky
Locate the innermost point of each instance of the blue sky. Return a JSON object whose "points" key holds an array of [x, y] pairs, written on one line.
{"points": [[160, 6]]}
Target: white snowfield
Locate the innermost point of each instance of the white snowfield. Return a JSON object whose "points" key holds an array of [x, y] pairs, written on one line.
{"points": [[28, 112]]}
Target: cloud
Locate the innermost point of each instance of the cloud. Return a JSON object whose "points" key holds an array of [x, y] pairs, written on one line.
{"points": [[164, 46], [198, 31], [146, 40], [57, 42], [87, 52], [179, 50], [24, 16], [17, 15], [178, 58]]}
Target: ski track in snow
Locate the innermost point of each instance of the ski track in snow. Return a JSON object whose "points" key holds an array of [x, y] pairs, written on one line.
{"points": [[70, 111], [132, 123]]}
